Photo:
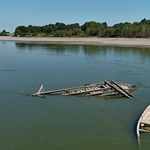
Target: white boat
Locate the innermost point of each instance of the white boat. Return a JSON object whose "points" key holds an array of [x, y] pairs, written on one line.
{"points": [[144, 122]]}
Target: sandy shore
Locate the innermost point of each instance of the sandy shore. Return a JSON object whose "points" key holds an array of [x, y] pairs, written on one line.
{"points": [[125, 42]]}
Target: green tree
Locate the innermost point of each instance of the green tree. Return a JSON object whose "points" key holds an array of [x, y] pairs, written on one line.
{"points": [[109, 32], [77, 32], [73, 26], [20, 30], [60, 26], [143, 21]]}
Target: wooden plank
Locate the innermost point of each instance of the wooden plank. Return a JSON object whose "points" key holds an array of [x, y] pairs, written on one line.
{"points": [[108, 94], [103, 93], [74, 88], [117, 89], [71, 89], [121, 88], [95, 93], [39, 91], [85, 91], [142, 130]]}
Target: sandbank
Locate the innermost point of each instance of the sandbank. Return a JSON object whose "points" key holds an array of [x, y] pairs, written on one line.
{"points": [[125, 42]]}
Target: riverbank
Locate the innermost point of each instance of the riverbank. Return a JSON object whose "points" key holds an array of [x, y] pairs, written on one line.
{"points": [[125, 42]]}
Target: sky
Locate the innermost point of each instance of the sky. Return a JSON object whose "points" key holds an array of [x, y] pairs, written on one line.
{"points": [[14, 13]]}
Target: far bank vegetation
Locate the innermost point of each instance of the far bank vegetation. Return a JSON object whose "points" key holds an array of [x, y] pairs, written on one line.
{"points": [[88, 29], [4, 33]]}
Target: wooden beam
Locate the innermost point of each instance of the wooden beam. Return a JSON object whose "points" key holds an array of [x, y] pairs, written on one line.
{"points": [[121, 88], [117, 89], [142, 130], [69, 89]]}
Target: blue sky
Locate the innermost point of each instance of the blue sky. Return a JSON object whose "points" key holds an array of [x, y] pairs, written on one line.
{"points": [[14, 13]]}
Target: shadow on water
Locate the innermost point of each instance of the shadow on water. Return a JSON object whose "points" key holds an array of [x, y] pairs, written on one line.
{"points": [[113, 97], [8, 70]]}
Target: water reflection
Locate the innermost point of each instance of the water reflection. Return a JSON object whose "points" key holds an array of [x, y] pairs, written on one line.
{"points": [[58, 48], [87, 50], [144, 53]]}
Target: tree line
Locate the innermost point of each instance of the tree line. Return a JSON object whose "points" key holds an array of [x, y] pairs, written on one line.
{"points": [[4, 33], [136, 29]]}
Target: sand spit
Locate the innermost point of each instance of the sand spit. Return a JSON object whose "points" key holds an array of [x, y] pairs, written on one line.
{"points": [[125, 42]]}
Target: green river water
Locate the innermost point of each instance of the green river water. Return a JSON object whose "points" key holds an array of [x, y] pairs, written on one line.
{"points": [[70, 123]]}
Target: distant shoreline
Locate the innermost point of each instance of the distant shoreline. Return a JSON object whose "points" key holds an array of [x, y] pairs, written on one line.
{"points": [[123, 42]]}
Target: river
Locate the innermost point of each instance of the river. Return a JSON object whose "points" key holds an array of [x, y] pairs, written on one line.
{"points": [[70, 123]]}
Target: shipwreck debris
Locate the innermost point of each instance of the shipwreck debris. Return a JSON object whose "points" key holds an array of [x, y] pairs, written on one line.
{"points": [[100, 89]]}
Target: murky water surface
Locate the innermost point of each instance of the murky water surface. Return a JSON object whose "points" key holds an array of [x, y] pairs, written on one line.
{"points": [[70, 123]]}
